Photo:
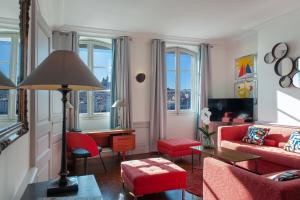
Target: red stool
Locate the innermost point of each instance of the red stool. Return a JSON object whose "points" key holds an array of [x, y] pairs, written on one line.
{"points": [[152, 175]]}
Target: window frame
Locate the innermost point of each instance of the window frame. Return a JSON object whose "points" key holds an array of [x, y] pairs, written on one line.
{"points": [[177, 51], [90, 94], [13, 65]]}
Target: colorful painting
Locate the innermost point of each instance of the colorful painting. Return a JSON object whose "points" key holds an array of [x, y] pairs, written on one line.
{"points": [[245, 66], [245, 88]]}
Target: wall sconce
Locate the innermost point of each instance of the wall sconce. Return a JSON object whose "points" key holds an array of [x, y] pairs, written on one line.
{"points": [[140, 77]]}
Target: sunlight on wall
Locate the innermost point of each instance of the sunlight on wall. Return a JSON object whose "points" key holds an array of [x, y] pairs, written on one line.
{"points": [[288, 109]]}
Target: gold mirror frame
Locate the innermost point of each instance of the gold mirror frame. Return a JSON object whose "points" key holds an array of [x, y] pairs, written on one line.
{"points": [[11, 133]]}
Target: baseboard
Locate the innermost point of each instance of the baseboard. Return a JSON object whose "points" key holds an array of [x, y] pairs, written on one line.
{"points": [[29, 178]]}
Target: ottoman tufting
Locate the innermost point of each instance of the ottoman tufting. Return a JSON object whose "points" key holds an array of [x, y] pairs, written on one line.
{"points": [[152, 175], [176, 147]]}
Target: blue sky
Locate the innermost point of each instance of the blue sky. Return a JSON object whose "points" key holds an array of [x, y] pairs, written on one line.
{"points": [[185, 64], [5, 49], [103, 57]]}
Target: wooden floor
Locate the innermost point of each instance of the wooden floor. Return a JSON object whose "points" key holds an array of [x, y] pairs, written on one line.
{"points": [[110, 183]]}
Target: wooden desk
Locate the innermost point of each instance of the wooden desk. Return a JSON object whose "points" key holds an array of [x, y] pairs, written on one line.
{"points": [[119, 140], [87, 189]]}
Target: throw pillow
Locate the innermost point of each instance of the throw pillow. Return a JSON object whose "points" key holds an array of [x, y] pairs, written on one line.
{"points": [[293, 144], [256, 135]]}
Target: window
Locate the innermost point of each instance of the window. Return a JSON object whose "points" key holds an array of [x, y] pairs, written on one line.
{"points": [[9, 48], [180, 64], [97, 55]]}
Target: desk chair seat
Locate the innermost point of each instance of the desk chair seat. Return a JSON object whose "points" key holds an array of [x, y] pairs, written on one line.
{"points": [[81, 145]]}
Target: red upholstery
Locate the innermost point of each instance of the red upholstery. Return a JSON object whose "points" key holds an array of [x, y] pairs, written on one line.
{"points": [[152, 175], [176, 147], [227, 182], [273, 158], [81, 140]]}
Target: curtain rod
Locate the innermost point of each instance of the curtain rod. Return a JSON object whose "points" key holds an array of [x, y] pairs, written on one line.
{"points": [[189, 44]]}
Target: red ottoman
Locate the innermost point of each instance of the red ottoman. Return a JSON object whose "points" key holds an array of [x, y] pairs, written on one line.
{"points": [[176, 147], [152, 175]]}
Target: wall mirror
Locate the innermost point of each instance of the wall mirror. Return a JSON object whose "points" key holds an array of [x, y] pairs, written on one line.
{"points": [[269, 58], [280, 50], [14, 20], [296, 80], [285, 82], [284, 66], [297, 64]]}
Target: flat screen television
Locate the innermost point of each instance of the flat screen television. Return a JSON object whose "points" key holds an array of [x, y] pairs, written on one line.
{"points": [[237, 107]]}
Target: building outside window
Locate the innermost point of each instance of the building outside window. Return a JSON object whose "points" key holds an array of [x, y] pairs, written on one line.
{"points": [[180, 65], [9, 66], [97, 55]]}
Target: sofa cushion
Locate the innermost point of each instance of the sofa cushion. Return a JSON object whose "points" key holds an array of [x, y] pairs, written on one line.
{"points": [[293, 145], [271, 154], [271, 143], [278, 133], [256, 135]]}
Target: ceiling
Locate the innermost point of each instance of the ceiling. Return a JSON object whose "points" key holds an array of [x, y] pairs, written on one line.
{"points": [[203, 19]]}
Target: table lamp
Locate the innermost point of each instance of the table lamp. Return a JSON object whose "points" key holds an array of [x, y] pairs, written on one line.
{"points": [[118, 104], [6, 83], [63, 71]]}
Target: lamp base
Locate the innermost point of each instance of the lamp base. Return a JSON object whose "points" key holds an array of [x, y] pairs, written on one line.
{"points": [[54, 188]]}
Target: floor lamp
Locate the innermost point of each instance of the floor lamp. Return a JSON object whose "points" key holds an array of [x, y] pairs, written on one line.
{"points": [[63, 71]]}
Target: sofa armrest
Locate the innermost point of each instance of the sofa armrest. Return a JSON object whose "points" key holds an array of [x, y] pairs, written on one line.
{"points": [[236, 132], [227, 182]]}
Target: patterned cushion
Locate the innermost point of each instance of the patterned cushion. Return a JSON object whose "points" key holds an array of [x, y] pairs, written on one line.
{"points": [[293, 145], [256, 135]]}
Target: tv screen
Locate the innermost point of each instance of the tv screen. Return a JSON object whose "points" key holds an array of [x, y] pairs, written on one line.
{"points": [[236, 108]]}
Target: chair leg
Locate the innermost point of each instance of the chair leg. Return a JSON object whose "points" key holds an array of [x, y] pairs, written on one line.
{"points": [[85, 166], [102, 162], [183, 194]]}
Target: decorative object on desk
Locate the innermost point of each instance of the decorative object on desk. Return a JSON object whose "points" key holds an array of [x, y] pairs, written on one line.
{"points": [[280, 50], [63, 71], [140, 77], [119, 105], [269, 58], [207, 140], [245, 66]]}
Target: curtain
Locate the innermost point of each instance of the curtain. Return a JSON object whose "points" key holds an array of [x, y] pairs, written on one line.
{"points": [[202, 84], [121, 87], [69, 41], [158, 93]]}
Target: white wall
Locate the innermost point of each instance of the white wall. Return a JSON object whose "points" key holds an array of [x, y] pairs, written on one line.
{"points": [[14, 165], [275, 104]]}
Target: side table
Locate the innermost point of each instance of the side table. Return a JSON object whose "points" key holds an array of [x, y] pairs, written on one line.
{"points": [[87, 189]]}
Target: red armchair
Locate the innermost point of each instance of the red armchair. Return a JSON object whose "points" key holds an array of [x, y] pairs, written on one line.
{"points": [[83, 141]]}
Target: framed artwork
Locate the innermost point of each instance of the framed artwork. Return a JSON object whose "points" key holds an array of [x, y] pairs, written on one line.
{"points": [[245, 66], [245, 88]]}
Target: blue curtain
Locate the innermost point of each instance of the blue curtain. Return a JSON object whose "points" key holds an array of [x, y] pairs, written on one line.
{"points": [[201, 84], [120, 89]]}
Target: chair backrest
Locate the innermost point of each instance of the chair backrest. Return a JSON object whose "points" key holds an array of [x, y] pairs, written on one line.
{"points": [[80, 140]]}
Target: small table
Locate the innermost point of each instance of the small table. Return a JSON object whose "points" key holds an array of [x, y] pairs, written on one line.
{"points": [[87, 189], [227, 155]]}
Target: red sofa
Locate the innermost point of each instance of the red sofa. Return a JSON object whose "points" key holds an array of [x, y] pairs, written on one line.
{"points": [[227, 182], [273, 157]]}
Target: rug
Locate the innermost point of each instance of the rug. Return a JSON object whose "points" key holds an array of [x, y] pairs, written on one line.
{"points": [[195, 182]]}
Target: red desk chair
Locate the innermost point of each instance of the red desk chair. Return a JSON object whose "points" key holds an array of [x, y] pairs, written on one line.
{"points": [[81, 145]]}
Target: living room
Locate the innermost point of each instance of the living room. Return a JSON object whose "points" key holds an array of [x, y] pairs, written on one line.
{"points": [[138, 78]]}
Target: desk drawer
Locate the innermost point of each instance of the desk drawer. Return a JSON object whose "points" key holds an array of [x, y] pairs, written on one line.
{"points": [[123, 143]]}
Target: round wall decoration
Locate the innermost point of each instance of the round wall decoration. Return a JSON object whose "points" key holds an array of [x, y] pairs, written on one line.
{"points": [[284, 66], [280, 50]]}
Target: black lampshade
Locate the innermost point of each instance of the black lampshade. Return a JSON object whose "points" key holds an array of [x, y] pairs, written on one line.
{"points": [[6, 83]]}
